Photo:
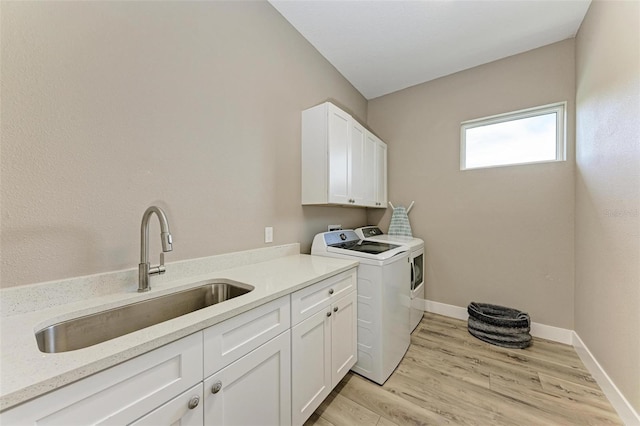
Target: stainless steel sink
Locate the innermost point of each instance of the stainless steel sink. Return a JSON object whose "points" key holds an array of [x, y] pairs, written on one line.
{"points": [[92, 329]]}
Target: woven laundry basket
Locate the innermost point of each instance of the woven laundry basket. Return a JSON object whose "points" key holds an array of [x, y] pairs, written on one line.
{"points": [[499, 325]]}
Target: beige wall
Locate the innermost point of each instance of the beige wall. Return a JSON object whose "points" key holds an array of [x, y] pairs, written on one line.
{"points": [[109, 107], [607, 295], [500, 235]]}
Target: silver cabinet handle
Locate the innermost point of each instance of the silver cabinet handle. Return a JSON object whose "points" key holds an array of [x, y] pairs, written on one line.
{"points": [[335, 309], [193, 402], [328, 314], [216, 387], [330, 291]]}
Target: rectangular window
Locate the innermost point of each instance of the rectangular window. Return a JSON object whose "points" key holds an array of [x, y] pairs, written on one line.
{"points": [[533, 135]]}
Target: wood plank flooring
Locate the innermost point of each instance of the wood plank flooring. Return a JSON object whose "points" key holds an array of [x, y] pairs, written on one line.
{"points": [[450, 377]]}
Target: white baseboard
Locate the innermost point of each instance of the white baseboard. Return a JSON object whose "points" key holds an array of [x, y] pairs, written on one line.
{"points": [[555, 334], [624, 409], [446, 310], [569, 337], [549, 332]]}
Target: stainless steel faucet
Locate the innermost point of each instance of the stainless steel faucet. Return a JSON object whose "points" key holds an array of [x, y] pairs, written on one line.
{"points": [[144, 268]]}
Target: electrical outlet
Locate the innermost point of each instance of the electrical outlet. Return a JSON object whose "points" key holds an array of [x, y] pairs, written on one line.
{"points": [[268, 234], [334, 227]]}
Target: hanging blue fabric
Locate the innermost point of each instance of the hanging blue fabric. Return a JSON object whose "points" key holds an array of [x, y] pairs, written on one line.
{"points": [[400, 222]]}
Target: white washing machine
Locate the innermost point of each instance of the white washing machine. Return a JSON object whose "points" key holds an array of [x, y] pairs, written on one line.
{"points": [[416, 262], [383, 299]]}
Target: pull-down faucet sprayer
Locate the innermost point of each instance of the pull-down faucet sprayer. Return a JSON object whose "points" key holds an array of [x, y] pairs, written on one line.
{"points": [[144, 268]]}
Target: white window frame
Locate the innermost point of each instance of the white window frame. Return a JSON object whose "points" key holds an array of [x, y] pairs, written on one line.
{"points": [[559, 108]]}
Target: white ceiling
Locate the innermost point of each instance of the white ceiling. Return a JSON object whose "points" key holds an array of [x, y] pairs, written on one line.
{"points": [[385, 46]]}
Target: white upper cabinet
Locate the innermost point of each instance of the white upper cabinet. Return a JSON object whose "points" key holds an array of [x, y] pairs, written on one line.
{"points": [[338, 134], [341, 160], [369, 169], [380, 170], [357, 178]]}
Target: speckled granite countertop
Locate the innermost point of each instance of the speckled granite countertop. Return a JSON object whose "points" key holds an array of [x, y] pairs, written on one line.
{"points": [[26, 372]]}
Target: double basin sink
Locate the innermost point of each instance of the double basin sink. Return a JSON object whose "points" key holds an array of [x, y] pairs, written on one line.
{"points": [[90, 330]]}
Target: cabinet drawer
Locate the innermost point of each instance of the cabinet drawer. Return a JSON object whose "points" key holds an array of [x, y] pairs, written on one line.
{"points": [[237, 336], [311, 300], [119, 394], [177, 411]]}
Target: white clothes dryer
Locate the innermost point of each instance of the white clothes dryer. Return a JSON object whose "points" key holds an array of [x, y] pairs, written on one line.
{"points": [[416, 263], [383, 299]]}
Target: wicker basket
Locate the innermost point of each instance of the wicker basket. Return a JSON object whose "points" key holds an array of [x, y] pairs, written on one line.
{"points": [[499, 325]]}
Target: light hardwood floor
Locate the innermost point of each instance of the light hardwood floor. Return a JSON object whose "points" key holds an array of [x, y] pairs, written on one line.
{"points": [[449, 377]]}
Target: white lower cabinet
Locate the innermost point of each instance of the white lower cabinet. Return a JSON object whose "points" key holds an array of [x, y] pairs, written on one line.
{"points": [[323, 348], [183, 410], [344, 338], [120, 394], [231, 339], [252, 369], [254, 390], [310, 365]]}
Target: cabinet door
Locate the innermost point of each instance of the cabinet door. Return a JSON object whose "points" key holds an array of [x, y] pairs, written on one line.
{"points": [[338, 135], [369, 176], [357, 179], [344, 339], [184, 410], [310, 365], [254, 390], [381, 174]]}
